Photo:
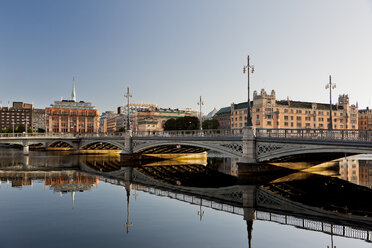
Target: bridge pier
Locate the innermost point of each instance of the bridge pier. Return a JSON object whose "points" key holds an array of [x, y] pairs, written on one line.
{"points": [[127, 152], [249, 204], [26, 150], [249, 146], [249, 201]]}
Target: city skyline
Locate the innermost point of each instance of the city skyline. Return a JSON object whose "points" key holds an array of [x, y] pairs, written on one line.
{"points": [[171, 53]]}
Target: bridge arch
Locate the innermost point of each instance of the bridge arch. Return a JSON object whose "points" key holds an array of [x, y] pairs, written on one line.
{"points": [[60, 144], [279, 151], [101, 145], [232, 149]]}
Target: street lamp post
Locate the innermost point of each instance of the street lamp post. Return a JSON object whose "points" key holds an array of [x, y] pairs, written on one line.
{"points": [[249, 69], [200, 103], [331, 87], [128, 96]]}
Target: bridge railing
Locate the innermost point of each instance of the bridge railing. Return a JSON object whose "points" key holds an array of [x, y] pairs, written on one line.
{"points": [[190, 133], [36, 135], [316, 134]]}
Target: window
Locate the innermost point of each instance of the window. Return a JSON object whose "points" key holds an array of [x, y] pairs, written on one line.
{"points": [[286, 124], [268, 123], [298, 118], [286, 117]]}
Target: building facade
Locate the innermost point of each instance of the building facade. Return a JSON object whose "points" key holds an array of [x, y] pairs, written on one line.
{"points": [[38, 120], [365, 119], [267, 112], [69, 116], [103, 127], [144, 117], [223, 116], [19, 114]]}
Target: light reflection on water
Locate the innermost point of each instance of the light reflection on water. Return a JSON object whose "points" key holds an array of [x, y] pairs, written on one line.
{"points": [[59, 201]]}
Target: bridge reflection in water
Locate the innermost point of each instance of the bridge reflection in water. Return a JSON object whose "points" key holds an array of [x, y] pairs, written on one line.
{"points": [[265, 192]]}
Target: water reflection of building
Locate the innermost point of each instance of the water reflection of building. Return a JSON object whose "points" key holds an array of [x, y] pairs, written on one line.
{"points": [[357, 170], [64, 181]]}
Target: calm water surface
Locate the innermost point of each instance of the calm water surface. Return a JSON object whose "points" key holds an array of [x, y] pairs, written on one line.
{"points": [[61, 200]]}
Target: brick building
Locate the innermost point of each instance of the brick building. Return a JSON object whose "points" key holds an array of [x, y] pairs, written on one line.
{"points": [[365, 119], [19, 114]]}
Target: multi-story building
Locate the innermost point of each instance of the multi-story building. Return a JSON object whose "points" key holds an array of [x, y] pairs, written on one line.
{"points": [[19, 114], [70, 116], [38, 119], [223, 116], [145, 117], [153, 119], [365, 119], [116, 123], [103, 120], [267, 112]]}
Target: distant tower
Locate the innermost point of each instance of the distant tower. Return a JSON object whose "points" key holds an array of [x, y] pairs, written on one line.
{"points": [[73, 94]]}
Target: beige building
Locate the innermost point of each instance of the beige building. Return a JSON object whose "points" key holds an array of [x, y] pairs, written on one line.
{"points": [[267, 112]]}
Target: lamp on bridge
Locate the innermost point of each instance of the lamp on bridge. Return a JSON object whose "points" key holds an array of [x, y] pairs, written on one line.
{"points": [[128, 96], [200, 103], [331, 87], [249, 69]]}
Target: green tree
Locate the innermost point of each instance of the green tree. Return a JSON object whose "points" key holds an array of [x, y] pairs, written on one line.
{"points": [[20, 129], [211, 124], [40, 130], [121, 130], [182, 123]]}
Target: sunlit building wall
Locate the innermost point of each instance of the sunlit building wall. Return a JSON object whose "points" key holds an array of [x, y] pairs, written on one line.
{"points": [[267, 112]]}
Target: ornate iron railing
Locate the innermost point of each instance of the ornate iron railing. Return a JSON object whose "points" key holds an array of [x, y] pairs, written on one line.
{"points": [[316, 134]]}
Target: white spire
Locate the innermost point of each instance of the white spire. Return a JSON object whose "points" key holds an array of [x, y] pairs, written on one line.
{"points": [[73, 94], [73, 199]]}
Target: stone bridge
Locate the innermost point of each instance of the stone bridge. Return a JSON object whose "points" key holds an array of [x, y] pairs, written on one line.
{"points": [[249, 144]]}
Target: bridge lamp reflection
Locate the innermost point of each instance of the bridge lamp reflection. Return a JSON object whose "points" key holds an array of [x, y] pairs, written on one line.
{"points": [[201, 211]]}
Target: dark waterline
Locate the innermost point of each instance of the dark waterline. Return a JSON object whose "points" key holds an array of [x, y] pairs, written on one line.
{"points": [[54, 200]]}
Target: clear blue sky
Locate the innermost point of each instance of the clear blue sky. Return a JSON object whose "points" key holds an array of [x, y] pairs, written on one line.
{"points": [[171, 51]]}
